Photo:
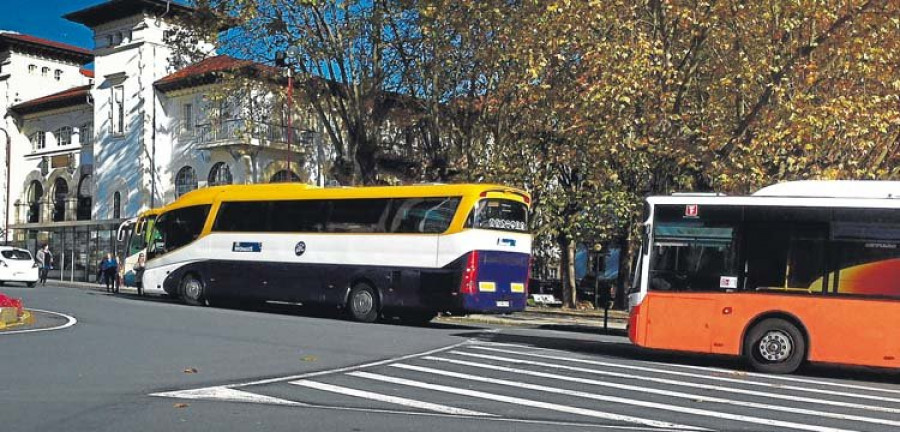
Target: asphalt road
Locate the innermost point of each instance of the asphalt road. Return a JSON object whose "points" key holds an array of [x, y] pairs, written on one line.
{"points": [[138, 364]]}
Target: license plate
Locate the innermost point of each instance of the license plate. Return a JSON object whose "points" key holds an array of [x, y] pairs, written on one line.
{"points": [[502, 304]]}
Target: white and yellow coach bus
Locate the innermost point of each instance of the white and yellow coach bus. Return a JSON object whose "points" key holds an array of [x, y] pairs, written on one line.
{"points": [[407, 251]]}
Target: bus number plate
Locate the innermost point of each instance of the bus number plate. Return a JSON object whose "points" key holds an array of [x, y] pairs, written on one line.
{"points": [[502, 304]]}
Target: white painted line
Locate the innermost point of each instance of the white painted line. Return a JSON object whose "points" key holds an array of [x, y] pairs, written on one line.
{"points": [[524, 402], [444, 409], [717, 378], [226, 394], [615, 399], [786, 378], [643, 389], [70, 321]]}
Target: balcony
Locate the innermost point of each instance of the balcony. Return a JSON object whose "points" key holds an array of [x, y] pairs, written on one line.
{"points": [[239, 132]]}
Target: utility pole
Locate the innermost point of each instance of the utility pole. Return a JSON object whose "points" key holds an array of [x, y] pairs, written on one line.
{"points": [[8, 166]]}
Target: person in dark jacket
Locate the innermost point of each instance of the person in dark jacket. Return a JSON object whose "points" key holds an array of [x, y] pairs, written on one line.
{"points": [[110, 269]]}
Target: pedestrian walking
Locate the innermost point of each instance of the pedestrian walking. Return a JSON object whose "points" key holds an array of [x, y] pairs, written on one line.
{"points": [[44, 260], [110, 269]]}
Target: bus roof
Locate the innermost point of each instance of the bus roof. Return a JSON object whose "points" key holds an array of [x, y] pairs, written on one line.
{"points": [[833, 189], [283, 191]]}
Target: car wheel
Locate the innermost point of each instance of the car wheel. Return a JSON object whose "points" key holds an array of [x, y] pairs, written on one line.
{"points": [[362, 303], [775, 346], [193, 292]]}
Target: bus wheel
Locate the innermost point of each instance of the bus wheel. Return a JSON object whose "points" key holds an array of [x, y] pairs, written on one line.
{"points": [[192, 291], [363, 303], [775, 346]]}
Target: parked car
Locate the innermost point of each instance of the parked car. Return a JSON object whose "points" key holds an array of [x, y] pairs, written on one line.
{"points": [[17, 265]]}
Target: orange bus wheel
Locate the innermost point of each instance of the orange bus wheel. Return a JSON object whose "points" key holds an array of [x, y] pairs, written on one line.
{"points": [[776, 346]]}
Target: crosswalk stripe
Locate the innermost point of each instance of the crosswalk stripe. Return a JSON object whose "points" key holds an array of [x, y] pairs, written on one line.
{"points": [[634, 402], [785, 378], [390, 399], [708, 377], [676, 394], [226, 394], [524, 402]]}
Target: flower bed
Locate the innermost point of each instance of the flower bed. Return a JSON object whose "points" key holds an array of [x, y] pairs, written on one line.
{"points": [[11, 310]]}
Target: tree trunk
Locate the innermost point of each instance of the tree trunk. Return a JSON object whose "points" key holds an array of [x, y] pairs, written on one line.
{"points": [[567, 271]]}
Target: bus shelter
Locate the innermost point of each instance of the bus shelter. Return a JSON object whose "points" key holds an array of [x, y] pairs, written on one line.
{"points": [[78, 247]]}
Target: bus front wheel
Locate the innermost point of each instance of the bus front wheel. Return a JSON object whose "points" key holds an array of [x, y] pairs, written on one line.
{"points": [[192, 290], [362, 303], [776, 346]]}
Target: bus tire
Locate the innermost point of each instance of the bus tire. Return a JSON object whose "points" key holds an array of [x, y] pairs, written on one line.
{"points": [[362, 303], [193, 292], [774, 345]]}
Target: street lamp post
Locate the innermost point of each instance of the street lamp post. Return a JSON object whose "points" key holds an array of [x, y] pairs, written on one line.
{"points": [[6, 204], [281, 61]]}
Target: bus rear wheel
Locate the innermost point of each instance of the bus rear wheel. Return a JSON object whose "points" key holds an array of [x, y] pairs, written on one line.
{"points": [[362, 303], [776, 346], [192, 290]]}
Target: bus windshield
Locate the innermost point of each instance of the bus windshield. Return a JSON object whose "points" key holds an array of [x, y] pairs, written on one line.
{"points": [[500, 214], [177, 228]]}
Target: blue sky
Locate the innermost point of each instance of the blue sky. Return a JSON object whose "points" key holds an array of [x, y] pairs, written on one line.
{"points": [[43, 18]]}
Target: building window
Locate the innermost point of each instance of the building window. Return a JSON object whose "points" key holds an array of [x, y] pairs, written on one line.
{"points": [[109, 40], [117, 205], [32, 69], [117, 110], [185, 181], [63, 136], [60, 192], [85, 192], [35, 194], [220, 174], [45, 71], [38, 140], [57, 74], [86, 134], [285, 176], [187, 119]]}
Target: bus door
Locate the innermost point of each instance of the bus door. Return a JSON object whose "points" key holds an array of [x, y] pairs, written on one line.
{"points": [[691, 263]]}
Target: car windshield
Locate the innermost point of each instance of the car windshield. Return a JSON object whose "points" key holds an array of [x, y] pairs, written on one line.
{"points": [[16, 254]]}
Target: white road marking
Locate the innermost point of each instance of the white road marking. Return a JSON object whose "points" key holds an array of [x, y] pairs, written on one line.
{"points": [[390, 399], [226, 394], [634, 402], [717, 378], [524, 402], [785, 378], [70, 321], [689, 396]]}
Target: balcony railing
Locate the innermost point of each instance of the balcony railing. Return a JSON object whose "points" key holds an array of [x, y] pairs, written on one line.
{"points": [[244, 132]]}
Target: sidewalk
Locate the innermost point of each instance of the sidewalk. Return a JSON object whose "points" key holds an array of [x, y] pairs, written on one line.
{"points": [[588, 321]]}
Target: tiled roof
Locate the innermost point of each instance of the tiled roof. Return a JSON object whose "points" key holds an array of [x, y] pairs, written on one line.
{"points": [[48, 46], [206, 71], [71, 97]]}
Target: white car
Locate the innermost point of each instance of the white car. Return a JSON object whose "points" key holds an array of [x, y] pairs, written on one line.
{"points": [[17, 265]]}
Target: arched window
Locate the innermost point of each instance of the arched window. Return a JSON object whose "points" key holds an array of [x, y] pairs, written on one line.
{"points": [[60, 192], [35, 194], [45, 71], [185, 181], [85, 194], [220, 174], [38, 140], [63, 136], [117, 205], [284, 176], [57, 74]]}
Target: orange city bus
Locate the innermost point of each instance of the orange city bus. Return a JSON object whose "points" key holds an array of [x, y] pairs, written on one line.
{"points": [[799, 271]]}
